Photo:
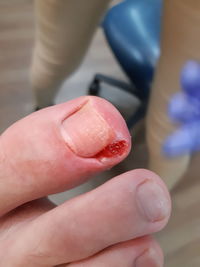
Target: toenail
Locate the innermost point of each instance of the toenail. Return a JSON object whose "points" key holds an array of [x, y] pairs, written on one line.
{"points": [[86, 131]]}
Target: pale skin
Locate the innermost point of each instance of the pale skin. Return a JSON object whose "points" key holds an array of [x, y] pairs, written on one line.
{"points": [[56, 149]]}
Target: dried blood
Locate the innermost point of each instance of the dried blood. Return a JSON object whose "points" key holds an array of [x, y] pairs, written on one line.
{"points": [[113, 150]]}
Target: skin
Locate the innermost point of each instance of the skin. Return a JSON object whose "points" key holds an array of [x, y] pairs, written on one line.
{"points": [[56, 149]]}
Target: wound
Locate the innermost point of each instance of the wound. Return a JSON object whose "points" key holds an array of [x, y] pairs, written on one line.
{"points": [[113, 150]]}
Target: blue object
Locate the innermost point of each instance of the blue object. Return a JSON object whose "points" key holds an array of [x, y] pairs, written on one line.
{"points": [[190, 79], [132, 29], [184, 108], [184, 141]]}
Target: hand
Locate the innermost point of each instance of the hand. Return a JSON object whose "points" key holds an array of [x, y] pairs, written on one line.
{"points": [[184, 109], [56, 149]]}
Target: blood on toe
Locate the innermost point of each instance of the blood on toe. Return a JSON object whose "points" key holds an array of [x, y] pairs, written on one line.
{"points": [[113, 150]]}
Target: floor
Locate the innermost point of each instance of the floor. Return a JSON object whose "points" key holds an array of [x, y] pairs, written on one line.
{"points": [[181, 239]]}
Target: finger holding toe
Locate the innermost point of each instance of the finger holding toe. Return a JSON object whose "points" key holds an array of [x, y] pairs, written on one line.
{"points": [[129, 206], [142, 252]]}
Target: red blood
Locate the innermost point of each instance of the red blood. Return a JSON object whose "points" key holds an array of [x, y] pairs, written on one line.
{"points": [[113, 150]]}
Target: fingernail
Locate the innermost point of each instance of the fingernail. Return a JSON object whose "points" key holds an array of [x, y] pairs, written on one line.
{"points": [[149, 259], [152, 201], [86, 132]]}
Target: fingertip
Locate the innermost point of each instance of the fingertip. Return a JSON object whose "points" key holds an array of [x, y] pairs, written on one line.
{"points": [[153, 198], [152, 248]]}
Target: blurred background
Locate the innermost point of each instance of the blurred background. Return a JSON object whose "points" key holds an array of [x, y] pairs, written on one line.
{"points": [[181, 239]]}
